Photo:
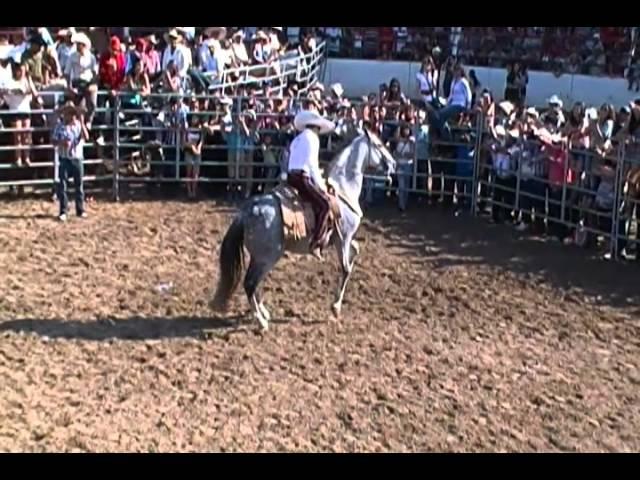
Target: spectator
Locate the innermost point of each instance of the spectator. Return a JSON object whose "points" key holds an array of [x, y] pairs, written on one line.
{"points": [[459, 100], [556, 155], [262, 52], [241, 137], [532, 182], [333, 37], [137, 54], [153, 63], [270, 158], [68, 135], [448, 68], [504, 151], [177, 53], [214, 62], [274, 40], [64, 46], [194, 137], [18, 96], [464, 155], [239, 55], [81, 73], [516, 84], [621, 122], [476, 86], [428, 83], [41, 67], [137, 82], [554, 117], [111, 71], [577, 131], [171, 81], [404, 155]]}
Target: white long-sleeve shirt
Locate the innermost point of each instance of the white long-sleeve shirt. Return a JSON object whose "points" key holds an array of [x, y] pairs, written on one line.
{"points": [[460, 93], [303, 155], [181, 57]]}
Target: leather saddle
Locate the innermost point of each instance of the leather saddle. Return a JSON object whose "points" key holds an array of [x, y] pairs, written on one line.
{"points": [[298, 217]]}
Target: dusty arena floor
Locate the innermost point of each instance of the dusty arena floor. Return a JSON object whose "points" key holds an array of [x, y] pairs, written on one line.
{"points": [[456, 335]]}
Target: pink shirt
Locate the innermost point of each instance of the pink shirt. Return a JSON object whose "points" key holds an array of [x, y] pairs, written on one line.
{"points": [[557, 156]]}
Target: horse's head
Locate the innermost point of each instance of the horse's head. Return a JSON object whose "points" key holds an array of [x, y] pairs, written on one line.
{"points": [[379, 155]]}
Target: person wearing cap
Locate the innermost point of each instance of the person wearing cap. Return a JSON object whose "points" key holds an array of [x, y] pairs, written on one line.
{"points": [[621, 121], [304, 170], [153, 63], [68, 135], [82, 74], [111, 71], [41, 66]]}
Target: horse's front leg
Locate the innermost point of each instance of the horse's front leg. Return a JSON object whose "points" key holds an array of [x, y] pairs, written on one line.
{"points": [[347, 263]]}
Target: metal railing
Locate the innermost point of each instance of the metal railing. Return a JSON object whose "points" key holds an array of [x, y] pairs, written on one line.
{"points": [[118, 127]]}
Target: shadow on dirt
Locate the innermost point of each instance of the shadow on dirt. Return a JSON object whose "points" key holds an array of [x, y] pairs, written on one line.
{"points": [[140, 328], [135, 328], [444, 240]]}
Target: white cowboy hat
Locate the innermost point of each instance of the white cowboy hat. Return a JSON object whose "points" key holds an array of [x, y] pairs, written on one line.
{"points": [[276, 28], [152, 39], [555, 100], [533, 112], [337, 89], [306, 118], [507, 107], [173, 33], [238, 33], [82, 39], [226, 101]]}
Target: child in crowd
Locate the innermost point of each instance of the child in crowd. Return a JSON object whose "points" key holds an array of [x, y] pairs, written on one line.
{"points": [[193, 139]]}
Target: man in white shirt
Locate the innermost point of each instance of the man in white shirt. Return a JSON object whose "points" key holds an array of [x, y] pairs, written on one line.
{"points": [[180, 55], [81, 72], [304, 171]]}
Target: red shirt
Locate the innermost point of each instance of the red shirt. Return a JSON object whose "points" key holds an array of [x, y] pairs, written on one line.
{"points": [[111, 71]]}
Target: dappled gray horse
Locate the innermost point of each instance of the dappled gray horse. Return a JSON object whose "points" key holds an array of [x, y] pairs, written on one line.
{"points": [[259, 226]]}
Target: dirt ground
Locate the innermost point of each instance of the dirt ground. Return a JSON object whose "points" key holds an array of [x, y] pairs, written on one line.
{"points": [[456, 335]]}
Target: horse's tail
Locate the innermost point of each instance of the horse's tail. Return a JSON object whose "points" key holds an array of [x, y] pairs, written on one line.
{"points": [[231, 264]]}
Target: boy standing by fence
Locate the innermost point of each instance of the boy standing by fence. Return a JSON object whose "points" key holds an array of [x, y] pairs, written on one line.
{"points": [[68, 136]]}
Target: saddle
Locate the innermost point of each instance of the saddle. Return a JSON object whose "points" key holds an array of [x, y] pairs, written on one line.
{"points": [[298, 217]]}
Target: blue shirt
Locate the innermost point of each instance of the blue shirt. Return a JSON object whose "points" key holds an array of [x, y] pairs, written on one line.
{"points": [[73, 134]]}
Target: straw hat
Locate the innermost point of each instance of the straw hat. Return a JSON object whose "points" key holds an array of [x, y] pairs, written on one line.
{"points": [[306, 118], [173, 33], [82, 39]]}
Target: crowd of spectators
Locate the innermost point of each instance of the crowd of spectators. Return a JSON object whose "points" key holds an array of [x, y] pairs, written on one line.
{"points": [[241, 130], [587, 50]]}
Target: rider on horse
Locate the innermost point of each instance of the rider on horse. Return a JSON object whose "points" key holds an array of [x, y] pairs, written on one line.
{"points": [[304, 170]]}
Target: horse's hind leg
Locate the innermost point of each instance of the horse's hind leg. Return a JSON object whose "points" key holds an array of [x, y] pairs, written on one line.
{"points": [[255, 274]]}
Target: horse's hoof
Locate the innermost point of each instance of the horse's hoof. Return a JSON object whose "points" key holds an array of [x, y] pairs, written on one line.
{"points": [[336, 309], [264, 323]]}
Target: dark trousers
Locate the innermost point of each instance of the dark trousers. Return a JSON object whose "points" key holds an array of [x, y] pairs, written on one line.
{"points": [[74, 169], [503, 193], [556, 227], [532, 197], [318, 200], [441, 180]]}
